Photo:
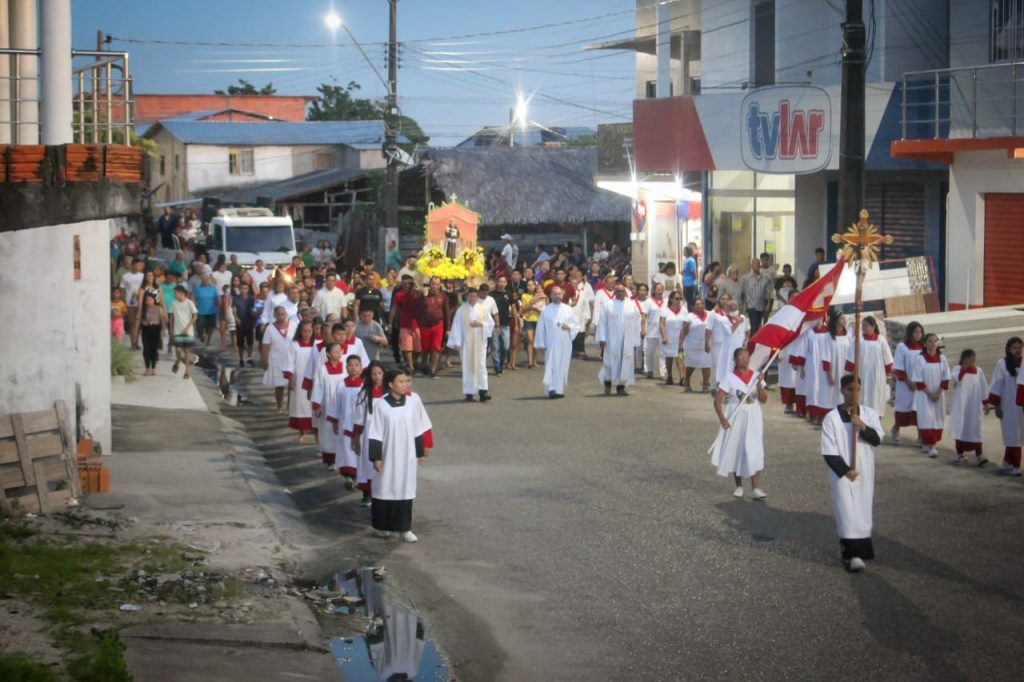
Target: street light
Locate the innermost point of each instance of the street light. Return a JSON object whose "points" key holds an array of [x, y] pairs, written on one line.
{"points": [[334, 22]]}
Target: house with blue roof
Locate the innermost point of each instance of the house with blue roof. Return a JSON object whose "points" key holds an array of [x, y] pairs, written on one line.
{"points": [[197, 158]]}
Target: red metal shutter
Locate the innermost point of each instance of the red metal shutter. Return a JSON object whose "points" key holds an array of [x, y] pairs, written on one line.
{"points": [[1004, 236]]}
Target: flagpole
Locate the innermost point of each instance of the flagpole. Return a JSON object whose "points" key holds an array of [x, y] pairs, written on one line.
{"points": [[858, 302]]}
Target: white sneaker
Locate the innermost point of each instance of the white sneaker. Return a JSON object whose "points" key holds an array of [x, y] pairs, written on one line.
{"points": [[1006, 466], [409, 536], [933, 453], [738, 492], [758, 494], [1013, 471], [856, 565], [382, 534]]}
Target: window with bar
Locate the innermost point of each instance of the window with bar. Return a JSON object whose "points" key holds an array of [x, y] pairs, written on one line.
{"points": [[240, 161], [1006, 39]]}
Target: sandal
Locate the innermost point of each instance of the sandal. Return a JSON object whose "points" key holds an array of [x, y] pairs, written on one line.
{"points": [[186, 375], [174, 368]]}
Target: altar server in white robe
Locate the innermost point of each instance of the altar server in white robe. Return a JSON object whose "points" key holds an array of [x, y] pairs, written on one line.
{"points": [[471, 327], [326, 379], [556, 329], [300, 410], [583, 306], [604, 295], [618, 334], [931, 377], [853, 488], [1005, 379], [275, 353], [373, 389], [735, 330], [718, 329], [319, 356], [696, 345], [400, 437], [902, 369], [833, 364], [875, 366], [798, 352], [970, 403], [739, 448], [818, 345], [340, 415]]}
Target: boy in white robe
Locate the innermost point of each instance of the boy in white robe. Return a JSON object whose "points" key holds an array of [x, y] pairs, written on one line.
{"points": [[618, 333], [556, 329], [970, 403], [852, 488], [471, 327], [326, 379], [340, 414]]}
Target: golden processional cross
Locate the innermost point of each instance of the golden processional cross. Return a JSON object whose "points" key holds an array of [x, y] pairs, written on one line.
{"points": [[860, 247]]}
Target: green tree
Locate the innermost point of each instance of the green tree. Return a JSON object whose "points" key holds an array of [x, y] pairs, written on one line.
{"points": [[244, 87], [339, 103]]}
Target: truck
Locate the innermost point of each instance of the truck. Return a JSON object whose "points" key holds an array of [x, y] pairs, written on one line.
{"points": [[251, 234]]}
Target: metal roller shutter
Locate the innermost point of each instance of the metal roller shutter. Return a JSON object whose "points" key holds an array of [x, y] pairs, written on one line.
{"points": [[898, 207], [1004, 234]]}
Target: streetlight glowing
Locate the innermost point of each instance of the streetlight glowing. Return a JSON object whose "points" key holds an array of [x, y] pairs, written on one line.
{"points": [[333, 21], [522, 111]]}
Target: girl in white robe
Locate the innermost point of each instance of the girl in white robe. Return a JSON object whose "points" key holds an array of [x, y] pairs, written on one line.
{"points": [[696, 346], [373, 388], [818, 343], [670, 328], [326, 379], [1002, 396], [875, 366], [970, 403], [346, 458], [739, 448], [832, 367], [931, 379], [852, 489], [300, 410], [276, 347], [902, 366], [399, 433], [798, 351]]}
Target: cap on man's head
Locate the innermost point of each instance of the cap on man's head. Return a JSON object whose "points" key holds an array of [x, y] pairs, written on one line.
{"points": [[506, 236]]}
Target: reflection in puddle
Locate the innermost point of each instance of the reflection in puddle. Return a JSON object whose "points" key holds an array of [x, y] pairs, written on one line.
{"points": [[225, 378], [395, 646]]}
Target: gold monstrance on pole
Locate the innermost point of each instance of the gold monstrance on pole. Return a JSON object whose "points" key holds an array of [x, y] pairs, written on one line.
{"points": [[861, 243]]}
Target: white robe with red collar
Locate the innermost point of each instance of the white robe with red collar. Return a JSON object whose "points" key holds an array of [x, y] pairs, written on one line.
{"points": [[970, 393]]}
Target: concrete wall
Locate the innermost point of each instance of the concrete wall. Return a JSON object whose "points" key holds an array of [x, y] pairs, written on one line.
{"points": [[968, 32], [208, 167], [812, 228], [59, 345], [973, 174], [913, 35]]}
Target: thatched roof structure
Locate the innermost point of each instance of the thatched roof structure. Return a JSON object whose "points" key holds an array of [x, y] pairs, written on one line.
{"points": [[525, 186]]}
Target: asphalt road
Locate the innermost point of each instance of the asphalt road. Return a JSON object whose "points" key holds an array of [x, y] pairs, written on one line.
{"points": [[589, 539]]}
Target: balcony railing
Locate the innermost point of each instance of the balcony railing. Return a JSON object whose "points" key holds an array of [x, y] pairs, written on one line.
{"points": [[964, 103], [101, 92]]}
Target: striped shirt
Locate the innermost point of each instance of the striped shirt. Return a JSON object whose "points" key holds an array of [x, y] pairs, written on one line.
{"points": [[755, 291]]}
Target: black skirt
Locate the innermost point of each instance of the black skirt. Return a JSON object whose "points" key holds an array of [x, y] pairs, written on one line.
{"points": [[860, 548], [394, 516]]}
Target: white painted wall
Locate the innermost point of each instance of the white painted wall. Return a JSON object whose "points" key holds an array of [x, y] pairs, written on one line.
{"points": [[208, 167], [968, 32], [811, 217], [62, 333], [973, 174]]}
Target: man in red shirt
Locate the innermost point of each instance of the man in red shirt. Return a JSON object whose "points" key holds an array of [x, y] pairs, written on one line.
{"points": [[434, 321], [560, 281], [405, 311]]}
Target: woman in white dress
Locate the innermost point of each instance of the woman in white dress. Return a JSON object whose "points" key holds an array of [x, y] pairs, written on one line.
{"points": [[832, 366], [875, 366], [673, 317], [300, 410], [400, 436], [275, 353], [718, 326], [652, 308], [1003, 396], [326, 378], [735, 330], [696, 347], [739, 448], [373, 388], [931, 380], [902, 366], [970, 403]]}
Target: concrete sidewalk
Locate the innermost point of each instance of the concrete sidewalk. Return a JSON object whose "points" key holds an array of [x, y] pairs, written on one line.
{"points": [[181, 470]]}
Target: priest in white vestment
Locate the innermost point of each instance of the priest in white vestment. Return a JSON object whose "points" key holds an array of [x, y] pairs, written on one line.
{"points": [[556, 329], [853, 488], [471, 327], [618, 333]]}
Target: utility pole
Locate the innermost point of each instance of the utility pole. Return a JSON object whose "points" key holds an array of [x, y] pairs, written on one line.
{"points": [[391, 125], [851, 121]]}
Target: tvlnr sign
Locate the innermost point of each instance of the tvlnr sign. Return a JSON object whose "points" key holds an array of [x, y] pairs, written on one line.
{"points": [[786, 130]]}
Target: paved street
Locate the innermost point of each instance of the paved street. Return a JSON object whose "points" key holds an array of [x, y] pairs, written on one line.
{"points": [[589, 538]]}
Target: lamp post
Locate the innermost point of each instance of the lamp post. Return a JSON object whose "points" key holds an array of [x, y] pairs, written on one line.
{"points": [[334, 22]]}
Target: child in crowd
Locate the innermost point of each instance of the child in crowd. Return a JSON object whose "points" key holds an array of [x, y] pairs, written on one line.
{"points": [[931, 377], [118, 310], [970, 404]]}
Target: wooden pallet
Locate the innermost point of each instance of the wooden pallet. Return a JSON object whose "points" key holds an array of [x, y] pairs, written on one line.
{"points": [[37, 455]]}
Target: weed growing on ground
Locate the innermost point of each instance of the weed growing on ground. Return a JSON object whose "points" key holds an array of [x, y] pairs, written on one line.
{"points": [[21, 668]]}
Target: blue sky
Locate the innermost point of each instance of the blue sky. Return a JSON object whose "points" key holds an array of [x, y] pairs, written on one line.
{"points": [[452, 85]]}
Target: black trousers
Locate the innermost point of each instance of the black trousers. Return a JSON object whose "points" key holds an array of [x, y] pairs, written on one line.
{"points": [[579, 343], [151, 344]]}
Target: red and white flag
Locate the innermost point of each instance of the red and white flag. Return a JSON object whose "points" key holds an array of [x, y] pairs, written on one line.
{"points": [[803, 310]]}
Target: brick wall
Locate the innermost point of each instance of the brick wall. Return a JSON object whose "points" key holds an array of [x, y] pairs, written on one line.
{"points": [[156, 107]]}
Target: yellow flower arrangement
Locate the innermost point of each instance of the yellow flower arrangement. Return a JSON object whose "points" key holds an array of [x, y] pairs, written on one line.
{"points": [[432, 262]]}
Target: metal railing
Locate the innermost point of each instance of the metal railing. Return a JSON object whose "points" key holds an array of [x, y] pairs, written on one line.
{"points": [[102, 107], [965, 103]]}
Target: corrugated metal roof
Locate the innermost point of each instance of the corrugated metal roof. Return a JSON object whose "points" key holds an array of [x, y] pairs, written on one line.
{"points": [[360, 134], [292, 187]]}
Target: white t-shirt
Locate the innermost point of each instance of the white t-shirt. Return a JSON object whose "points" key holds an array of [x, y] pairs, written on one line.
{"points": [[509, 254], [222, 279], [183, 312], [258, 277], [131, 282], [490, 306]]}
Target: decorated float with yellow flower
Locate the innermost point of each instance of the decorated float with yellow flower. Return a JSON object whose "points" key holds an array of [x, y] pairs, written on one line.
{"points": [[449, 250]]}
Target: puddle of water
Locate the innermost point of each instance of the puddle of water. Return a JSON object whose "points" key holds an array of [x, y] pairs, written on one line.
{"points": [[395, 646], [225, 378]]}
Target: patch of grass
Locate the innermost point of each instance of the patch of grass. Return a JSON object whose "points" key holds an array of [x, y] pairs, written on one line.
{"points": [[58, 576], [10, 530], [103, 660], [122, 360], [21, 668]]}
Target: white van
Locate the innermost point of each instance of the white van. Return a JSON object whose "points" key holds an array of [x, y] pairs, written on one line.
{"points": [[251, 234]]}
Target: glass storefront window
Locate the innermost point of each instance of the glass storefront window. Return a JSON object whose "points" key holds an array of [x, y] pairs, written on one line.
{"points": [[750, 214]]}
